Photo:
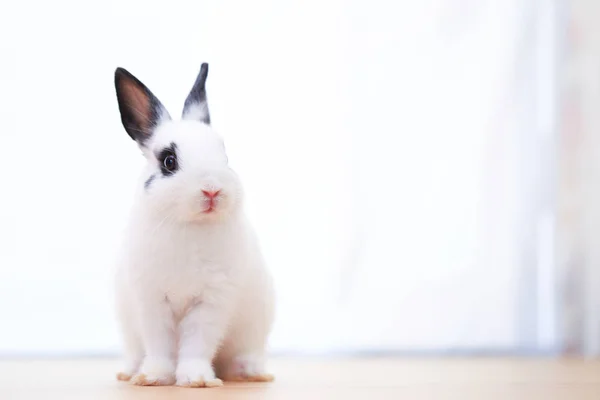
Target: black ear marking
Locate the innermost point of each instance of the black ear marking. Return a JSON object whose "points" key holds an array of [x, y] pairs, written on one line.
{"points": [[140, 110], [196, 106]]}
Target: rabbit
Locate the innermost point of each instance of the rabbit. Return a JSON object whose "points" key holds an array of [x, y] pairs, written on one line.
{"points": [[194, 299]]}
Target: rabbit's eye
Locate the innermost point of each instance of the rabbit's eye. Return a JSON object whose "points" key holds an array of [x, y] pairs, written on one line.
{"points": [[167, 159], [170, 163]]}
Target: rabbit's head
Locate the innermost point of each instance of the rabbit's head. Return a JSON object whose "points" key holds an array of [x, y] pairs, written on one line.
{"points": [[187, 176]]}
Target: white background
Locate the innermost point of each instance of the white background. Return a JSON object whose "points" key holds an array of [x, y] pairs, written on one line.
{"points": [[390, 153]]}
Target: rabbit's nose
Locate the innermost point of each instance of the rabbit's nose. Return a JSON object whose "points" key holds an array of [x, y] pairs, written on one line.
{"points": [[211, 194]]}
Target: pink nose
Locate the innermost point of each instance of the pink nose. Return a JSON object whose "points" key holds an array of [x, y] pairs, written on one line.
{"points": [[211, 194]]}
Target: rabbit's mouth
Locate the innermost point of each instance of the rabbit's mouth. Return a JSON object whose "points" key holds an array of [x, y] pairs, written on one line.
{"points": [[210, 206]]}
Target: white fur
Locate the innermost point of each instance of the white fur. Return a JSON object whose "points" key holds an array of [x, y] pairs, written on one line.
{"points": [[192, 288], [196, 111]]}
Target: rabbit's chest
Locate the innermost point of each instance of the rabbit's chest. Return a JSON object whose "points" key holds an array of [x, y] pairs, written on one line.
{"points": [[182, 271], [187, 265], [194, 274]]}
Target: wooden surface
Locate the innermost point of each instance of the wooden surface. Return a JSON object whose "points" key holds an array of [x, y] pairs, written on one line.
{"points": [[310, 379]]}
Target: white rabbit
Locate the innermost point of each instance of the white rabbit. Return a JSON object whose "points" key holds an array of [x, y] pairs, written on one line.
{"points": [[192, 289]]}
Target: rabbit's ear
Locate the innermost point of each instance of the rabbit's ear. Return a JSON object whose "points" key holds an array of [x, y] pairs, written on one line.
{"points": [[140, 110], [195, 106]]}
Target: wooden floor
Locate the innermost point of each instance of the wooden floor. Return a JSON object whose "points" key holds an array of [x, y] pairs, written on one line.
{"points": [[369, 379]]}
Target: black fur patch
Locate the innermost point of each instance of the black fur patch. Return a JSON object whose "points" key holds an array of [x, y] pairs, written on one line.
{"points": [[149, 181]]}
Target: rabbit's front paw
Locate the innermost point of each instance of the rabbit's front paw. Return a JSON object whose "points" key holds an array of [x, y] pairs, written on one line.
{"points": [[196, 372], [155, 372], [131, 366]]}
